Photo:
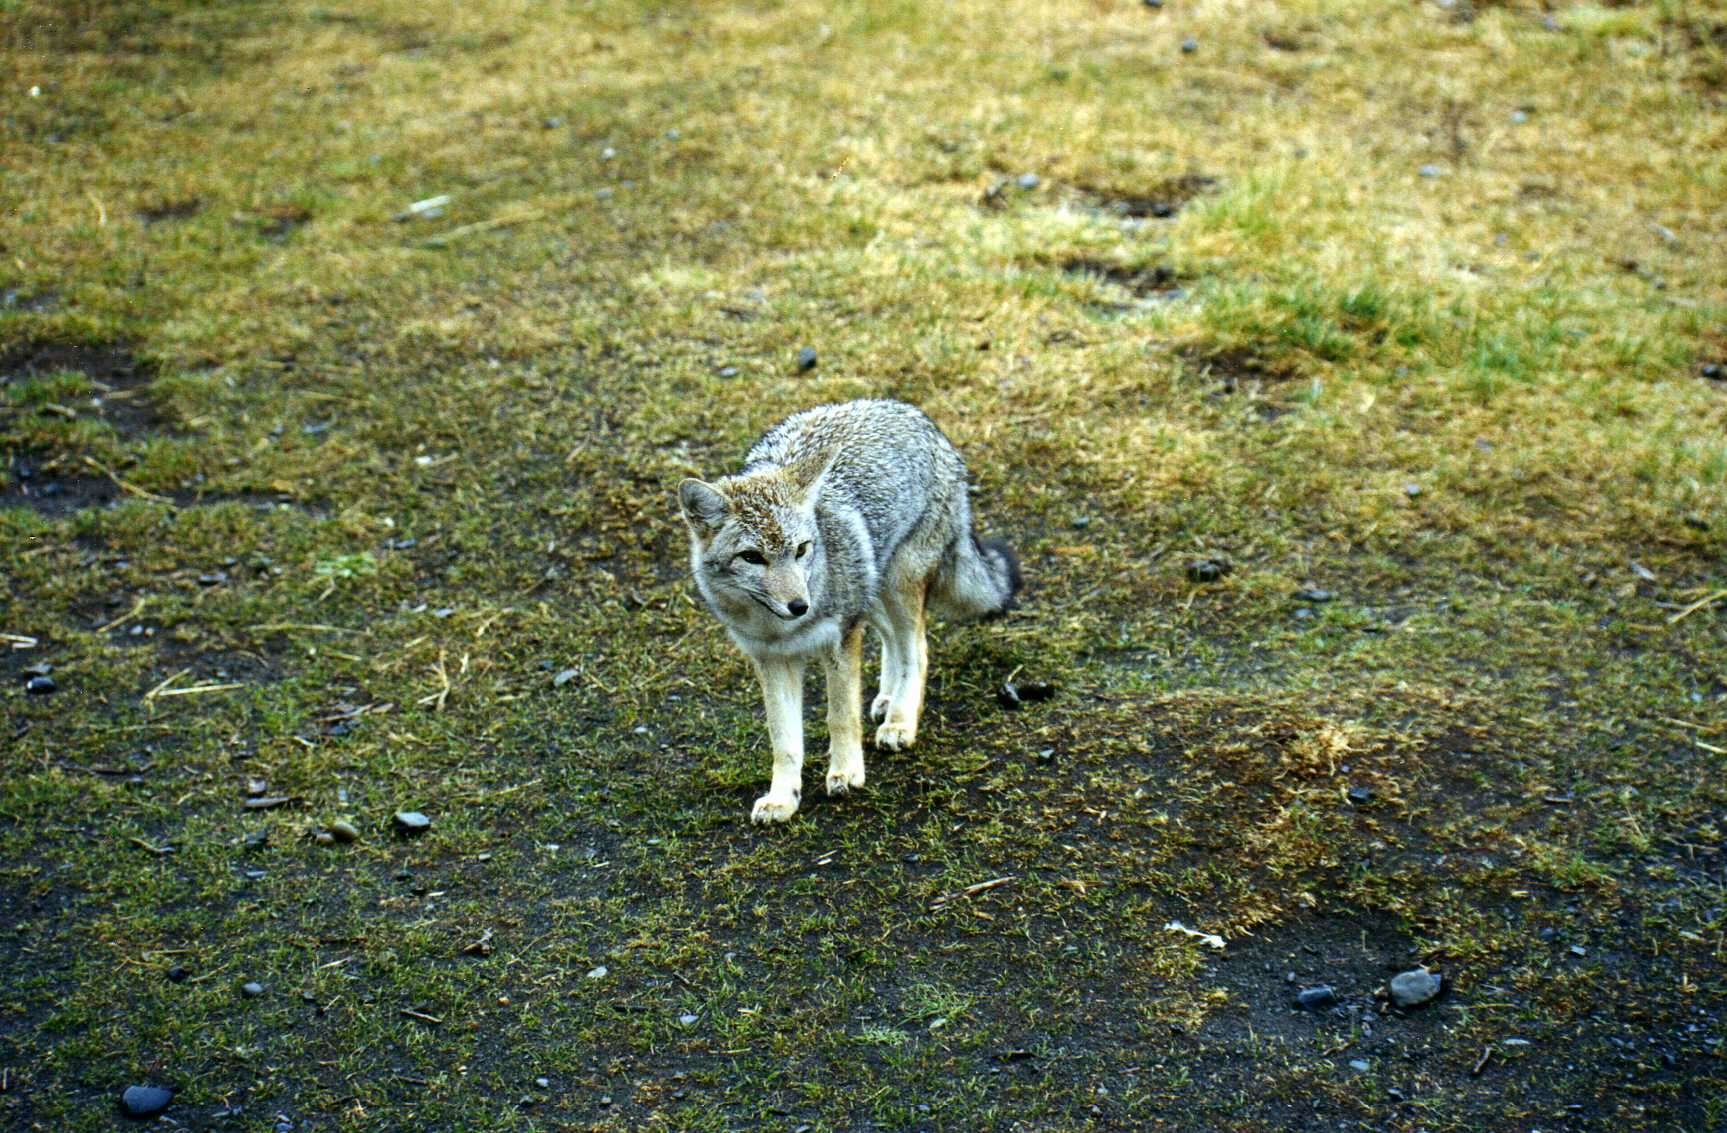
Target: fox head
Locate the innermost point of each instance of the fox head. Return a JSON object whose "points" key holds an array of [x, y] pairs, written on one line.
{"points": [[754, 539]]}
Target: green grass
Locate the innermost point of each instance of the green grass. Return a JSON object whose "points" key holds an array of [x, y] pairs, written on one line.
{"points": [[380, 511]]}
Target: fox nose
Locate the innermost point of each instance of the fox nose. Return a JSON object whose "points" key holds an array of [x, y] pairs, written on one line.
{"points": [[798, 607]]}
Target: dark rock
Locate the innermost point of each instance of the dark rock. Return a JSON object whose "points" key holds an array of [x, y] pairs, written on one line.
{"points": [[1415, 987], [1189, 45], [178, 973], [1154, 3], [1714, 371], [412, 822], [145, 1101], [1208, 570], [1314, 594], [807, 358], [251, 989], [1360, 795], [1012, 695], [40, 685], [1316, 998]]}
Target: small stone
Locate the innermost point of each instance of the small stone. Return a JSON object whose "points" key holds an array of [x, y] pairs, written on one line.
{"points": [[1518, 117], [807, 358], [564, 677], [344, 831], [1154, 3], [412, 822], [178, 974], [324, 838], [728, 371], [1579, 950], [1189, 45], [1431, 170], [39, 669], [145, 1101], [1714, 371], [256, 787], [551, 122], [603, 194], [213, 578], [1304, 612], [1360, 796], [1313, 594], [543, 1083], [40, 685], [1208, 570], [1358, 1064], [605, 1100], [673, 134], [1315, 998], [1081, 522], [597, 973], [1046, 757], [251, 989], [689, 1020], [1028, 181], [1415, 987]]}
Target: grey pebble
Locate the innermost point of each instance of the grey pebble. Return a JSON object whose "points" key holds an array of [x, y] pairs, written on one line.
{"points": [[807, 358], [543, 1083], [344, 831], [564, 677], [1314, 998], [1028, 181], [412, 822], [1360, 795], [1313, 594], [1415, 987], [145, 1101], [1431, 170], [1358, 1064], [1189, 45], [689, 1020], [39, 685], [251, 989]]}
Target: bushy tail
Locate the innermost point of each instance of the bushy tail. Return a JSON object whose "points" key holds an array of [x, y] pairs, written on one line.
{"points": [[978, 578]]}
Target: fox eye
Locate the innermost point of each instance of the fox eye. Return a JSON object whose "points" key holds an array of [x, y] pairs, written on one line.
{"points": [[803, 548], [754, 558]]}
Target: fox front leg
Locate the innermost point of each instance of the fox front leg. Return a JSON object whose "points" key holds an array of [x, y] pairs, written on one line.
{"points": [[844, 664], [783, 694]]}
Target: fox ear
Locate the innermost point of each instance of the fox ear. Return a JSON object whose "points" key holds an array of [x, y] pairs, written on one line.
{"points": [[702, 505], [807, 474]]}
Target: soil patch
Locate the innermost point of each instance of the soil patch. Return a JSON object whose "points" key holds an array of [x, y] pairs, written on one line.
{"points": [[1162, 200]]}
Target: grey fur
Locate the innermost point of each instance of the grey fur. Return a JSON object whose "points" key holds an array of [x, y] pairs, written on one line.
{"points": [[860, 510]]}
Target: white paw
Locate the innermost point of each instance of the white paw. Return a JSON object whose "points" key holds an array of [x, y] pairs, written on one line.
{"points": [[774, 808], [843, 779], [878, 710], [895, 737]]}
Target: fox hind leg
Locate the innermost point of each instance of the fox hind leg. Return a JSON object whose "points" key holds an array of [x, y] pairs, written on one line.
{"points": [[905, 645], [844, 664], [889, 674]]}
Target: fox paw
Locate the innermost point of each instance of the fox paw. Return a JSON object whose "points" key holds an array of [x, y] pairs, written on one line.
{"points": [[843, 779], [895, 737], [774, 808], [878, 710]]}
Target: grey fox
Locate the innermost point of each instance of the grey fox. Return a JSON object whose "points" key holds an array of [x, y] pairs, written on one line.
{"points": [[843, 514]]}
